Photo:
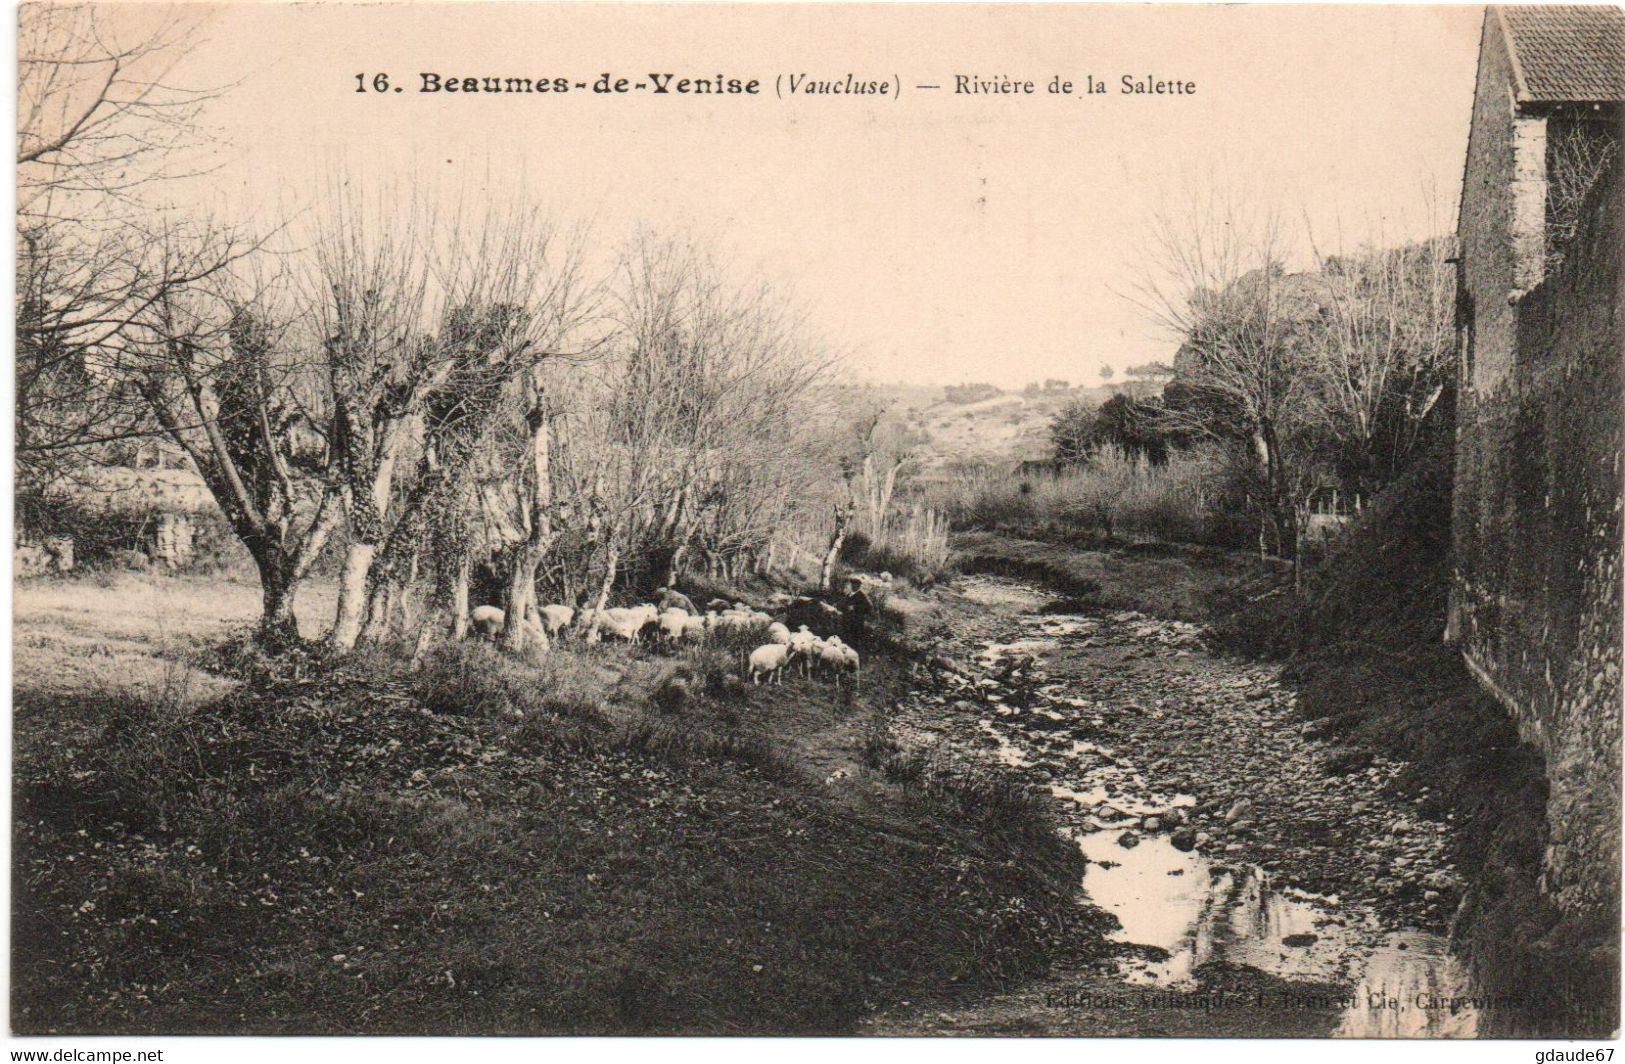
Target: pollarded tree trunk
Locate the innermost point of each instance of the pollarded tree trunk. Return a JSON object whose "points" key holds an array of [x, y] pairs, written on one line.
{"points": [[588, 619], [520, 598], [352, 607], [448, 604], [675, 569], [278, 627], [611, 570], [381, 594], [843, 518], [459, 597], [370, 477]]}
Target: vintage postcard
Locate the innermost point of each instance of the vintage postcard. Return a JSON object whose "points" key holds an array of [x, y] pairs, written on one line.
{"points": [[817, 519]]}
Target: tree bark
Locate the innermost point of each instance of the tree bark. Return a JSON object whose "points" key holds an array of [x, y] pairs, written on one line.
{"points": [[448, 606], [459, 598], [371, 477], [588, 619], [352, 606], [679, 558], [843, 518], [278, 628], [520, 598], [380, 603]]}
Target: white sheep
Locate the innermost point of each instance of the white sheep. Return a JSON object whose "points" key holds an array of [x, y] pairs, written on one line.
{"points": [[850, 661], [487, 620], [557, 618], [778, 633], [745, 616], [490, 620], [770, 659], [825, 652], [673, 623], [622, 622], [624, 628], [643, 614], [804, 643]]}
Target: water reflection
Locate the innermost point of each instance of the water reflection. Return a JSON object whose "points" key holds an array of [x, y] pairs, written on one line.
{"points": [[1198, 911], [1411, 988]]}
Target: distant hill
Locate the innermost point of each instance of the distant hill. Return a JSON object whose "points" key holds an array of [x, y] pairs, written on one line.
{"points": [[1002, 429]]}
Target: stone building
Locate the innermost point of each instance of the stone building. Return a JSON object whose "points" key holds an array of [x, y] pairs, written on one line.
{"points": [[1536, 591]]}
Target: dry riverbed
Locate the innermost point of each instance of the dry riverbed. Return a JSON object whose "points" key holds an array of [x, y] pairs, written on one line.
{"points": [[1264, 881]]}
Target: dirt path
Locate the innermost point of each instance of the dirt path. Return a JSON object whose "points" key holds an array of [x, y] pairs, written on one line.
{"points": [[1264, 882]]}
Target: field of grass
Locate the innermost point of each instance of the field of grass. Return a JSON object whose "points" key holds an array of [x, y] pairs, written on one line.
{"points": [[616, 841], [1115, 497]]}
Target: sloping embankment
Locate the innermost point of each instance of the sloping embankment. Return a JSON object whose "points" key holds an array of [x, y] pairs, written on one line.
{"points": [[488, 847], [1368, 657]]}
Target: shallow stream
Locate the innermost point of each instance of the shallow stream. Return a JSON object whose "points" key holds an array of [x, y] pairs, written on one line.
{"points": [[1191, 908]]}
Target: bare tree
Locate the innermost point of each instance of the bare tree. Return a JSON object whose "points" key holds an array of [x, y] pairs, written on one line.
{"points": [[1382, 357], [1218, 283], [222, 380], [516, 299], [368, 296], [98, 114], [699, 393], [76, 305], [100, 127]]}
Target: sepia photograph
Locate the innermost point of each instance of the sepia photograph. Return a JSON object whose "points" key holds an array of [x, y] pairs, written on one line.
{"points": [[861, 520]]}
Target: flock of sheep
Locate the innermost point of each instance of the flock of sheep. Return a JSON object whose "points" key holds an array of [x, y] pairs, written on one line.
{"points": [[672, 626]]}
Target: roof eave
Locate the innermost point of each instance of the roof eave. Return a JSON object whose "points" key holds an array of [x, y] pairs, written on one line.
{"points": [[1530, 103]]}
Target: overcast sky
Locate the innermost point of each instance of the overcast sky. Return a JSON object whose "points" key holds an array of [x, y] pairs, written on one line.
{"points": [[937, 238]]}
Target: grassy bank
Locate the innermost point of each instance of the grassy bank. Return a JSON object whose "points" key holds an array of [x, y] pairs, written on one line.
{"points": [[1166, 579], [617, 841]]}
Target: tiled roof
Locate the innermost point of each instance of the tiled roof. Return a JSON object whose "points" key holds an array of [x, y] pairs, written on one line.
{"points": [[1566, 53]]}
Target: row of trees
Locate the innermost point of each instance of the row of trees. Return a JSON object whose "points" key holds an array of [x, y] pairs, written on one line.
{"points": [[1310, 380], [449, 392], [426, 392]]}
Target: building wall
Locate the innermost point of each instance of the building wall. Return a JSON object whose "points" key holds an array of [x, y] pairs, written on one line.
{"points": [[1536, 601], [1485, 224]]}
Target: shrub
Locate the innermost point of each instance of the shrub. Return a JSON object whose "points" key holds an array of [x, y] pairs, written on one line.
{"points": [[1188, 499], [474, 678]]}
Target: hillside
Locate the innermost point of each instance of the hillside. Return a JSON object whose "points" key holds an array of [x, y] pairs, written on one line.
{"points": [[1007, 428]]}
